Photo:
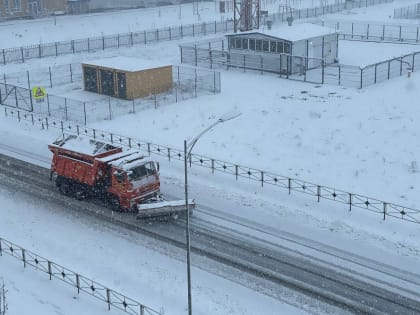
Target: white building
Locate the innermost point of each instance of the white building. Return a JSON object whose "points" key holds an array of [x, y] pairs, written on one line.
{"points": [[302, 46]]}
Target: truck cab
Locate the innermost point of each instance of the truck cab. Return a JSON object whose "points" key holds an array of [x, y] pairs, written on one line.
{"points": [[134, 181]]}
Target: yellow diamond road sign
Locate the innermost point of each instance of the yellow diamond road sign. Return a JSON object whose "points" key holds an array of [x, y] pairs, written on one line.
{"points": [[38, 92]]}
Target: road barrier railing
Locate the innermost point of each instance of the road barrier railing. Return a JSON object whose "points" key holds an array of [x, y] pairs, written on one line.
{"points": [[351, 200], [74, 279]]}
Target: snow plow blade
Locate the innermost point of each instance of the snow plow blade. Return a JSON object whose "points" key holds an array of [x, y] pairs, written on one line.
{"points": [[164, 209]]}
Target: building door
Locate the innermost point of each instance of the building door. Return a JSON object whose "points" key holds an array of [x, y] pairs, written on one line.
{"points": [[33, 9], [122, 85], [107, 82], [91, 80]]}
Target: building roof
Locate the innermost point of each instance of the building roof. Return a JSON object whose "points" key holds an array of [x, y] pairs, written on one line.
{"points": [[295, 32], [127, 64]]}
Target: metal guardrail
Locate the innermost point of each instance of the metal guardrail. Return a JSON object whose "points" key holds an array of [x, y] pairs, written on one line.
{"points": [[74, 279], [351, 200]]}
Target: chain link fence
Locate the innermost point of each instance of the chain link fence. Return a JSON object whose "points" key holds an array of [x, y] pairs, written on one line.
{"points": [[187, 83], [21, 54], [298, 68], [263, 178], [409, 12], [366, 31], [76, 280]]}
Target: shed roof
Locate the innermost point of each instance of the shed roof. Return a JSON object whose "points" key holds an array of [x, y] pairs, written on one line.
{"points": [[127, 64], [295, 32]]}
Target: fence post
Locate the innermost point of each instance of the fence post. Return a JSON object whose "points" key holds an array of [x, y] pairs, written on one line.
{"points": [[195, 55], [323, 71], [21, 54], [134, 110], [71, 73], [193, 30], [65, 108], [339, 74], [108, 298], [401, 62], [412, 63], [262, 179], [417, 35], [39, 51], [141, 309], [195, 82], [145, 37], [103, 42], [88, 43], [72, 46], [367, 32], [49, 71], [244, 63], [350, 200], [400, 34], [16, 99], [48, 105], [361, 77], [118, 40], [131, 38], [1, 249], [389, 68], [384, 210], [23, 257], [318, 192], [49, 269], [181, 31], [56, 49], [4, 57], [84, 111], [262, 65], [78, 283], [30, 92], [289, 184], [352, 29], [376, 65], [109, 108]]}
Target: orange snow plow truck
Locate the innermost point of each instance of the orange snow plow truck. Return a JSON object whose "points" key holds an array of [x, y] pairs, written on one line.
{"points": [[125, 179]]}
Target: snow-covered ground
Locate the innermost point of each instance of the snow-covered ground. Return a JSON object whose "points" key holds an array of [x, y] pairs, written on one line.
{"points": [[363, 141]]}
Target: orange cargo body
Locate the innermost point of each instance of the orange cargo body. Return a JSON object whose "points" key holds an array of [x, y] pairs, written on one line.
{"points": [[83, 168]]}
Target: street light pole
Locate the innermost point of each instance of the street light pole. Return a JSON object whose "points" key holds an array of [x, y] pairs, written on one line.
{"points": [[187, 154]]}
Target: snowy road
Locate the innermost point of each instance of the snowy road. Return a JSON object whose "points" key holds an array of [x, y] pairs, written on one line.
{"points": [[271, 263]]}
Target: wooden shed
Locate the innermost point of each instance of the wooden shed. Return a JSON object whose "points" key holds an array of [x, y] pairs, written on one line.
{"points": [[126, 78]]}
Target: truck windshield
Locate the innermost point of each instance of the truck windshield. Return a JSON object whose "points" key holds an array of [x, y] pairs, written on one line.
{"points": [[141, 171]]}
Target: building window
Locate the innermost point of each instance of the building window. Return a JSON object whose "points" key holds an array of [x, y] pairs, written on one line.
{"points": [[18, 5], [273, 45], [280, 47], [286, 48], [266, 46], [6, 6], [231, 42], [258, 45], [252, 44], [245, 43], [238, 43]]}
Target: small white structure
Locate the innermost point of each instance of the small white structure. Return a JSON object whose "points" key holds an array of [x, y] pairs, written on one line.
{"points": [[309, 44]]}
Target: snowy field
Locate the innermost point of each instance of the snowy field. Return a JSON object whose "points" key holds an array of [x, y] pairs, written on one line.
{"points": [[362, 141]]}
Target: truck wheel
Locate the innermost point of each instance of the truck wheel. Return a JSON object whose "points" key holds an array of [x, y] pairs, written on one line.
{"points": [[65, 187], [114, 202]]}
